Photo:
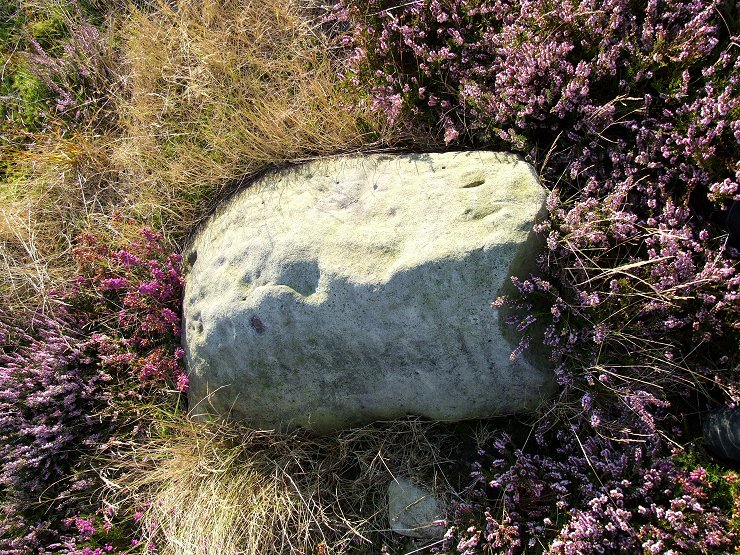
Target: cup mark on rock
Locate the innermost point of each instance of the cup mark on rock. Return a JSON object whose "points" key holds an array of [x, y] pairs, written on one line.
{"points": [[257, 324], [474, 183]]}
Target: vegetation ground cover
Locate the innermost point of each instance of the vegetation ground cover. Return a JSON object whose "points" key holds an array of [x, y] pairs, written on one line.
{"points": [[123, 124]]}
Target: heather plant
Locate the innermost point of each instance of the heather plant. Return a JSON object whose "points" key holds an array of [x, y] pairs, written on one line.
{"points": [[723, 483], [58, 82], [51, 390], [136, 294], [102, 533], [66, 377], [56, 68], [568, 495], [23, 95], [79, 78]]}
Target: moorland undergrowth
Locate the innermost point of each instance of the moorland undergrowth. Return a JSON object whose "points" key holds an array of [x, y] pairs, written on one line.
{"points": [[123, 124]]}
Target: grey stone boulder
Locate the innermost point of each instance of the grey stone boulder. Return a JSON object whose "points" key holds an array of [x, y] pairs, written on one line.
{"points": [[412, 510], [351, 290]]}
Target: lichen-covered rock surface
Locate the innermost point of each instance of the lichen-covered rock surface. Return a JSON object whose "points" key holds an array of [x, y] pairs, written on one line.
{"points": [[350, 290]]}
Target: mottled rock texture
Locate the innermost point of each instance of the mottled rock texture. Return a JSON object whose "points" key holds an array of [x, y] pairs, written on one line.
{"points": [[350, 290]]}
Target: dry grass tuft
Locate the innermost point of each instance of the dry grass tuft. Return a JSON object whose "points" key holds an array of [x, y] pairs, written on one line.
{"points": [[221, 90], [66, 185], [229, 489]]}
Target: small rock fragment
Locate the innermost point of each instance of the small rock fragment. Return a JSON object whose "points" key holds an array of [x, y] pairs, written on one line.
{"points": [[412, 510], [722, 433]]}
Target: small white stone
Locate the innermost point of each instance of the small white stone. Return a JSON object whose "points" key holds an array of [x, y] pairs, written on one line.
{"points": [[412, 510]]}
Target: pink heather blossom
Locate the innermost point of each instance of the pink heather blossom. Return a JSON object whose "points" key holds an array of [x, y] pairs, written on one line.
{"points": [[113, 284], [84, 526], [451, 134], [698, 474]]}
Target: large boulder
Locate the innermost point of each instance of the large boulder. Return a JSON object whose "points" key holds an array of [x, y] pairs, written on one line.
{"points": [[350, 290]]}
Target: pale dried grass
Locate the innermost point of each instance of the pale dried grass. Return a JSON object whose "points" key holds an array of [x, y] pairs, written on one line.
{"points": [[65, 186], [225, 488], [221, 90]]}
